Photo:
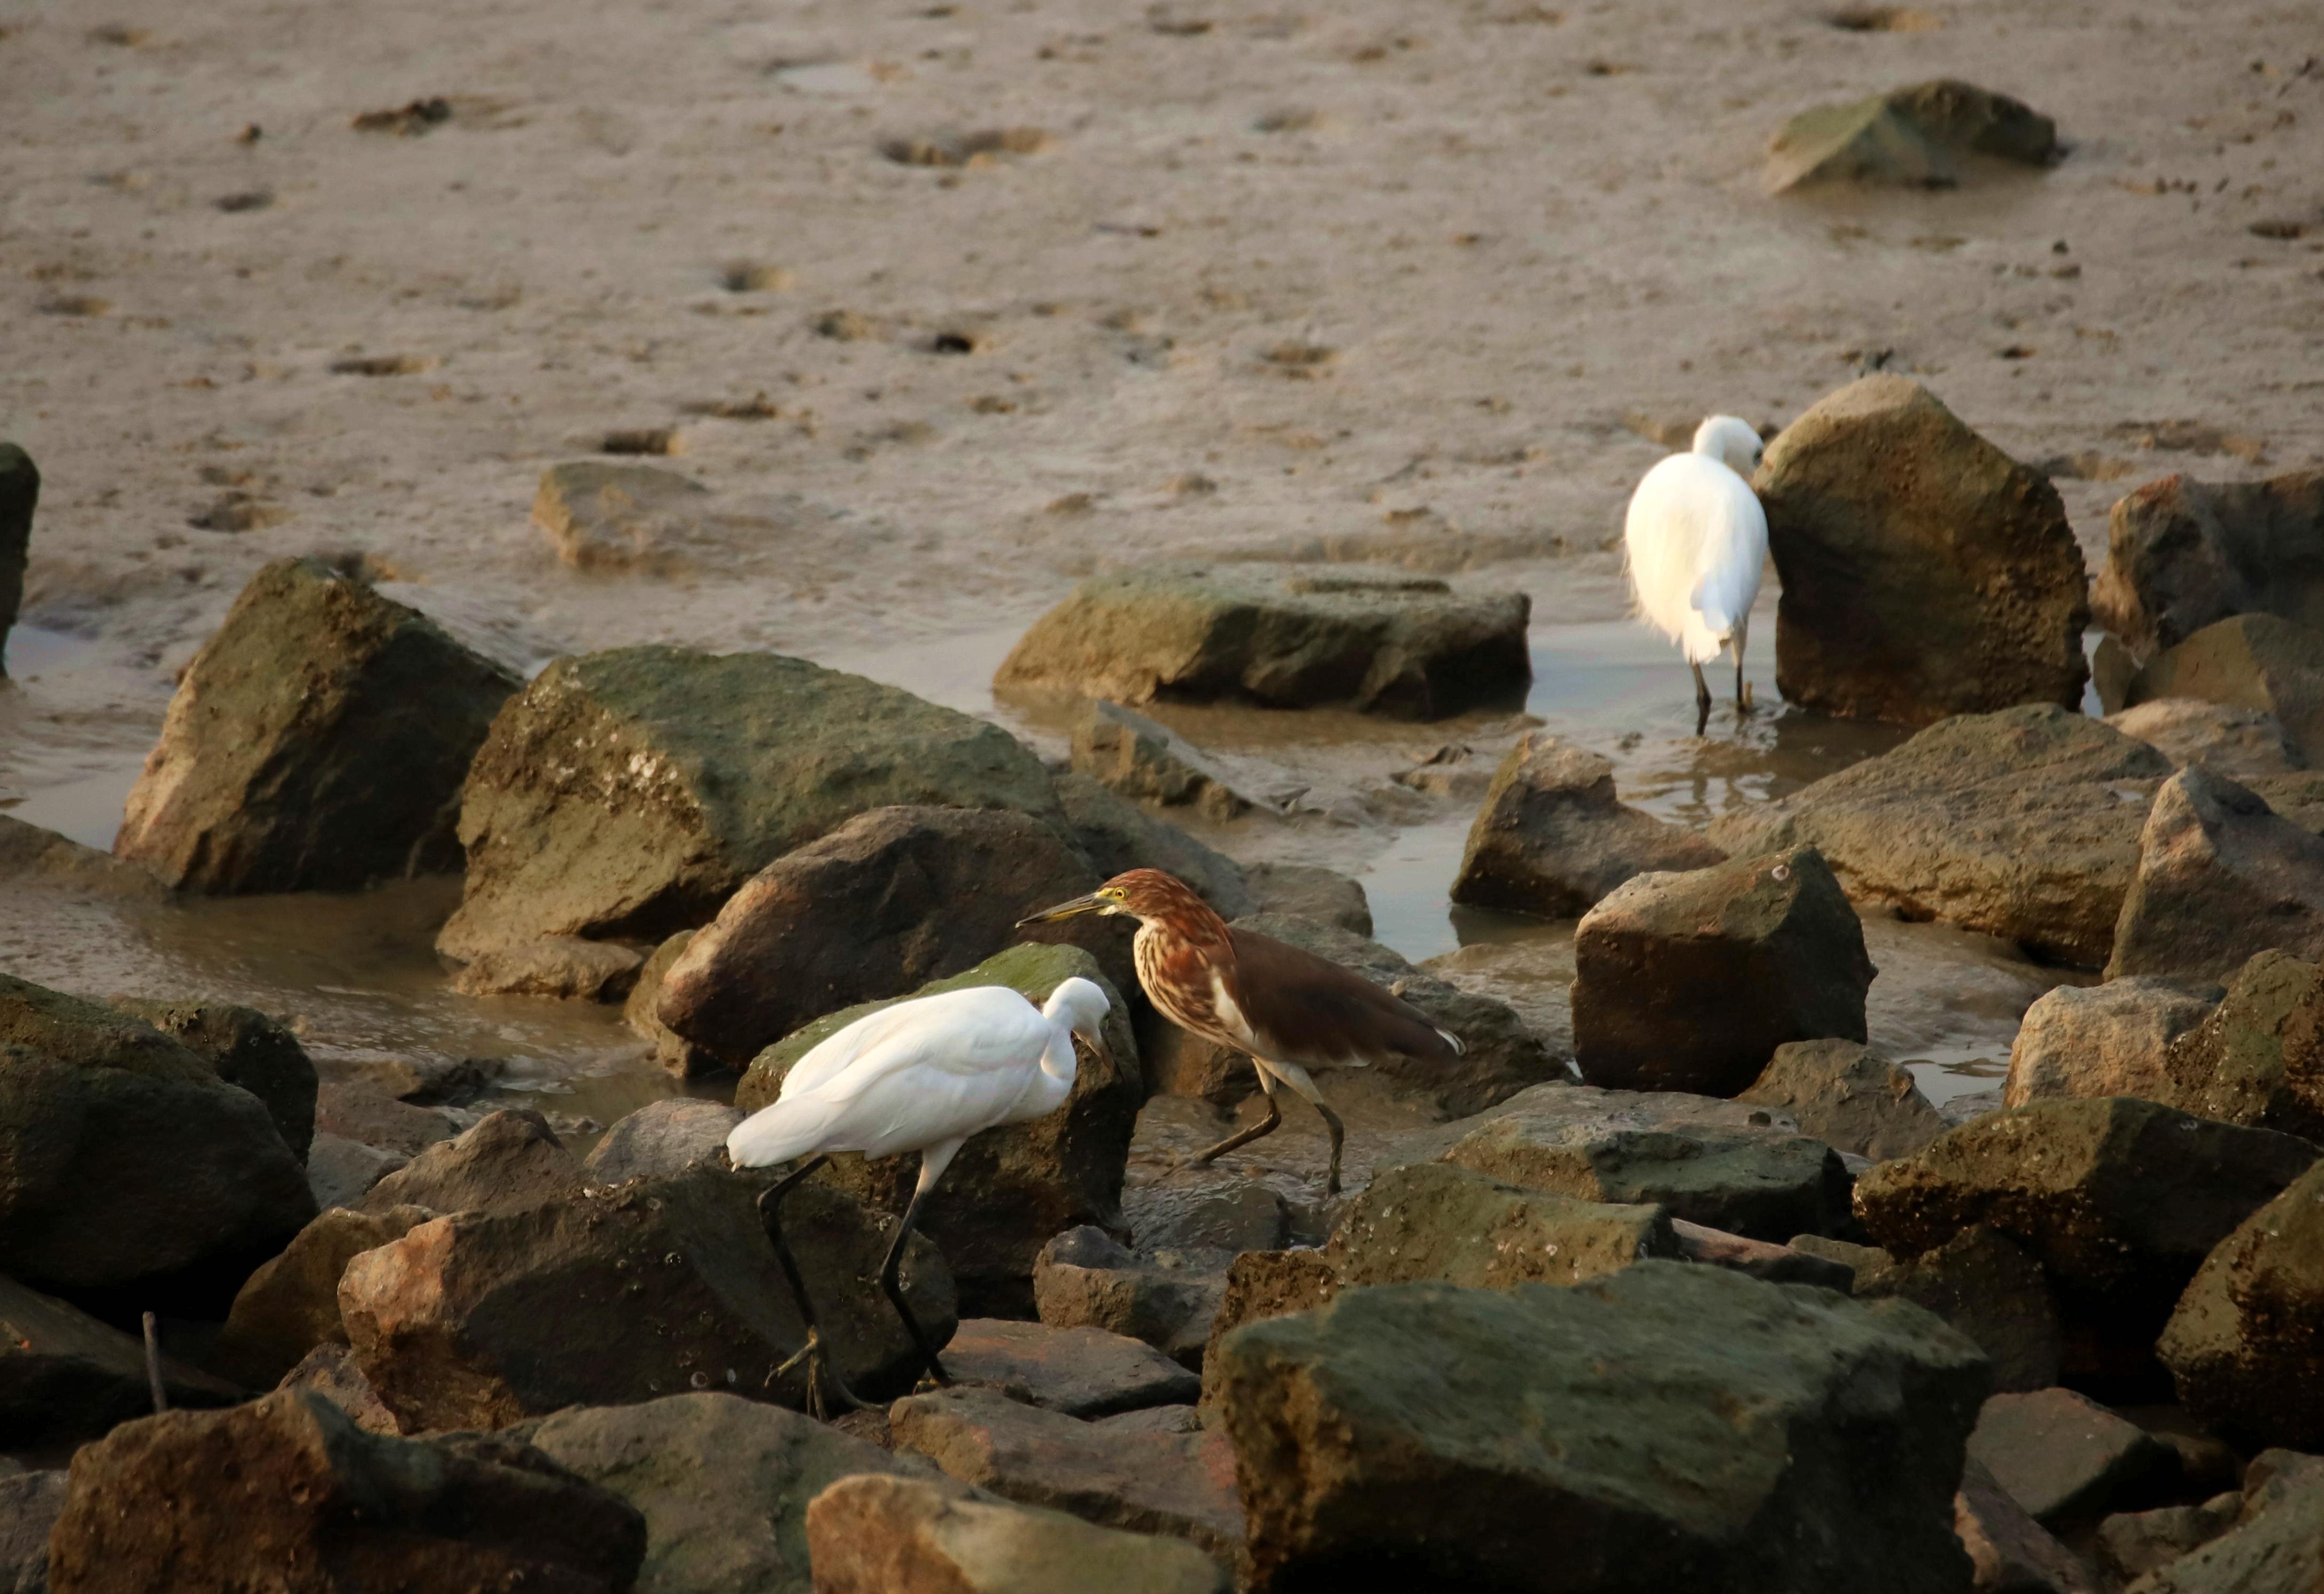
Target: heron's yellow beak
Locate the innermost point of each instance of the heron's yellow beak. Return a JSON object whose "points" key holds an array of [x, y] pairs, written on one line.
{"points": [[1093, 903]]}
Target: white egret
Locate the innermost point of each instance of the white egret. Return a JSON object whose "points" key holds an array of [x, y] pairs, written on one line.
{"points": [[922, 1075], [1695, 538]]}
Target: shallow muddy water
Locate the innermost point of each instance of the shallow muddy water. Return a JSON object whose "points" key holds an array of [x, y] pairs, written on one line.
{"points": [[358, 976]]}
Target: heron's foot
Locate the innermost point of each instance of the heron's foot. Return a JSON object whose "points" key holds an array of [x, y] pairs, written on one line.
{"points": [[827, 1396]]}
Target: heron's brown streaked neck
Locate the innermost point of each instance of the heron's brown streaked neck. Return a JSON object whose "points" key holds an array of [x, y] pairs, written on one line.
{"points": [[1190, 921]]}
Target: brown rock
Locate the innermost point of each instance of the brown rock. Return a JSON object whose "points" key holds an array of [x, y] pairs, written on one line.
{"points": [[1980, 1281], [508, 1160], [341, 1172], [1178, 1484], [2103, 1040], [660, 1285], [887, 902], [2220, 877], [1286, 636], [2246, 1345], [2066, 1458], [1942, 828], [1083, 1372], [365, 1113], [2182, 555], [288, 1494], [2257, 1057], [672, 1050], [1552, 839], [1924, 572], [316, 744], [292, 1303], [1147, 760], [622, 517], [1849, 1096], [1304, 891], [2252, 661], [1690, 981], [1084, 1278], [1262, 1285], [331, 1372], [893, 1536], [2235, 742], [246, 1048], [2012, 1552], [1117, 835], [1759, 1258], [662, 1138], [2130, 1543], [65, 1377]]}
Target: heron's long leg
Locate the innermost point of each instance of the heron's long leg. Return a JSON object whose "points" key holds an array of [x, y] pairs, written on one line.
{"points": [[1702, 699], [1301, 1081], [813, 1353], [891, 1274], [1241, 1138]]}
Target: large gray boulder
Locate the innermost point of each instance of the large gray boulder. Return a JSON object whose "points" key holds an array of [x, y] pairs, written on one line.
{"points": [[1552, 838], [316, 744], [287, 1492], [895, 1535], [2023, 824], [246, 1048], [2257, 1057], [1849, 1096], [1009, 1188], [1725, 1165], [2103, 1040], [30, 1504], [2120, 1200], [2182, 555], [657, 1286], [20, 493], [723, 1483], [1923, 136], [505, 1160], [1669, 1426], [1082, 1372], [131, 1175], [1689, 982], [889, 901], [2251, 661], [2221, 876], [1287, 636], [1924, 572], [661, 1138], [1501, 1058], [66, 1378], [1085, 1278], [631, 793], [2246, 1344], [2276, 1547]]}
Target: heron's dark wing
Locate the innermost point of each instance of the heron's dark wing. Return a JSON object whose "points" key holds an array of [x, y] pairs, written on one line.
{"points": [[1309, 1010]]}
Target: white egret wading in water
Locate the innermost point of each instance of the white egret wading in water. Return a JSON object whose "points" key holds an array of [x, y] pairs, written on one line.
{"points": [[922, 1075], [1694, 539]]}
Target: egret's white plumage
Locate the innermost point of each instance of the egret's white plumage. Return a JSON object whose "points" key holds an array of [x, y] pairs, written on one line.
{"points": [[924, 1075], [1695, 539]]}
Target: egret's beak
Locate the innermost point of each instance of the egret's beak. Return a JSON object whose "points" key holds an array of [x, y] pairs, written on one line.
{"points": [[1096, 1041], [1093, 903]]}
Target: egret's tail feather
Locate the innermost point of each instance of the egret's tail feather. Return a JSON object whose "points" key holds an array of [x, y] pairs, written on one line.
{"points": [[780, 1133]]}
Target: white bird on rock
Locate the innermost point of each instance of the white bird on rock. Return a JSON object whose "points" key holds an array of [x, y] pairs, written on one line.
{"points": [[1695, 538], [922, 1075]]}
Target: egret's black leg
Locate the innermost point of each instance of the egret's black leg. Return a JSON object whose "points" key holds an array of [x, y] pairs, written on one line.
{"points": [[1702, 699], [1339, 1137], [1241, 1138], [1742, 687], [891, 1281], [813, 1353]]}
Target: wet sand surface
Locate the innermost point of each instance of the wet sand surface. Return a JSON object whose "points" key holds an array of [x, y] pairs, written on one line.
{"points": [[953, 304]]}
